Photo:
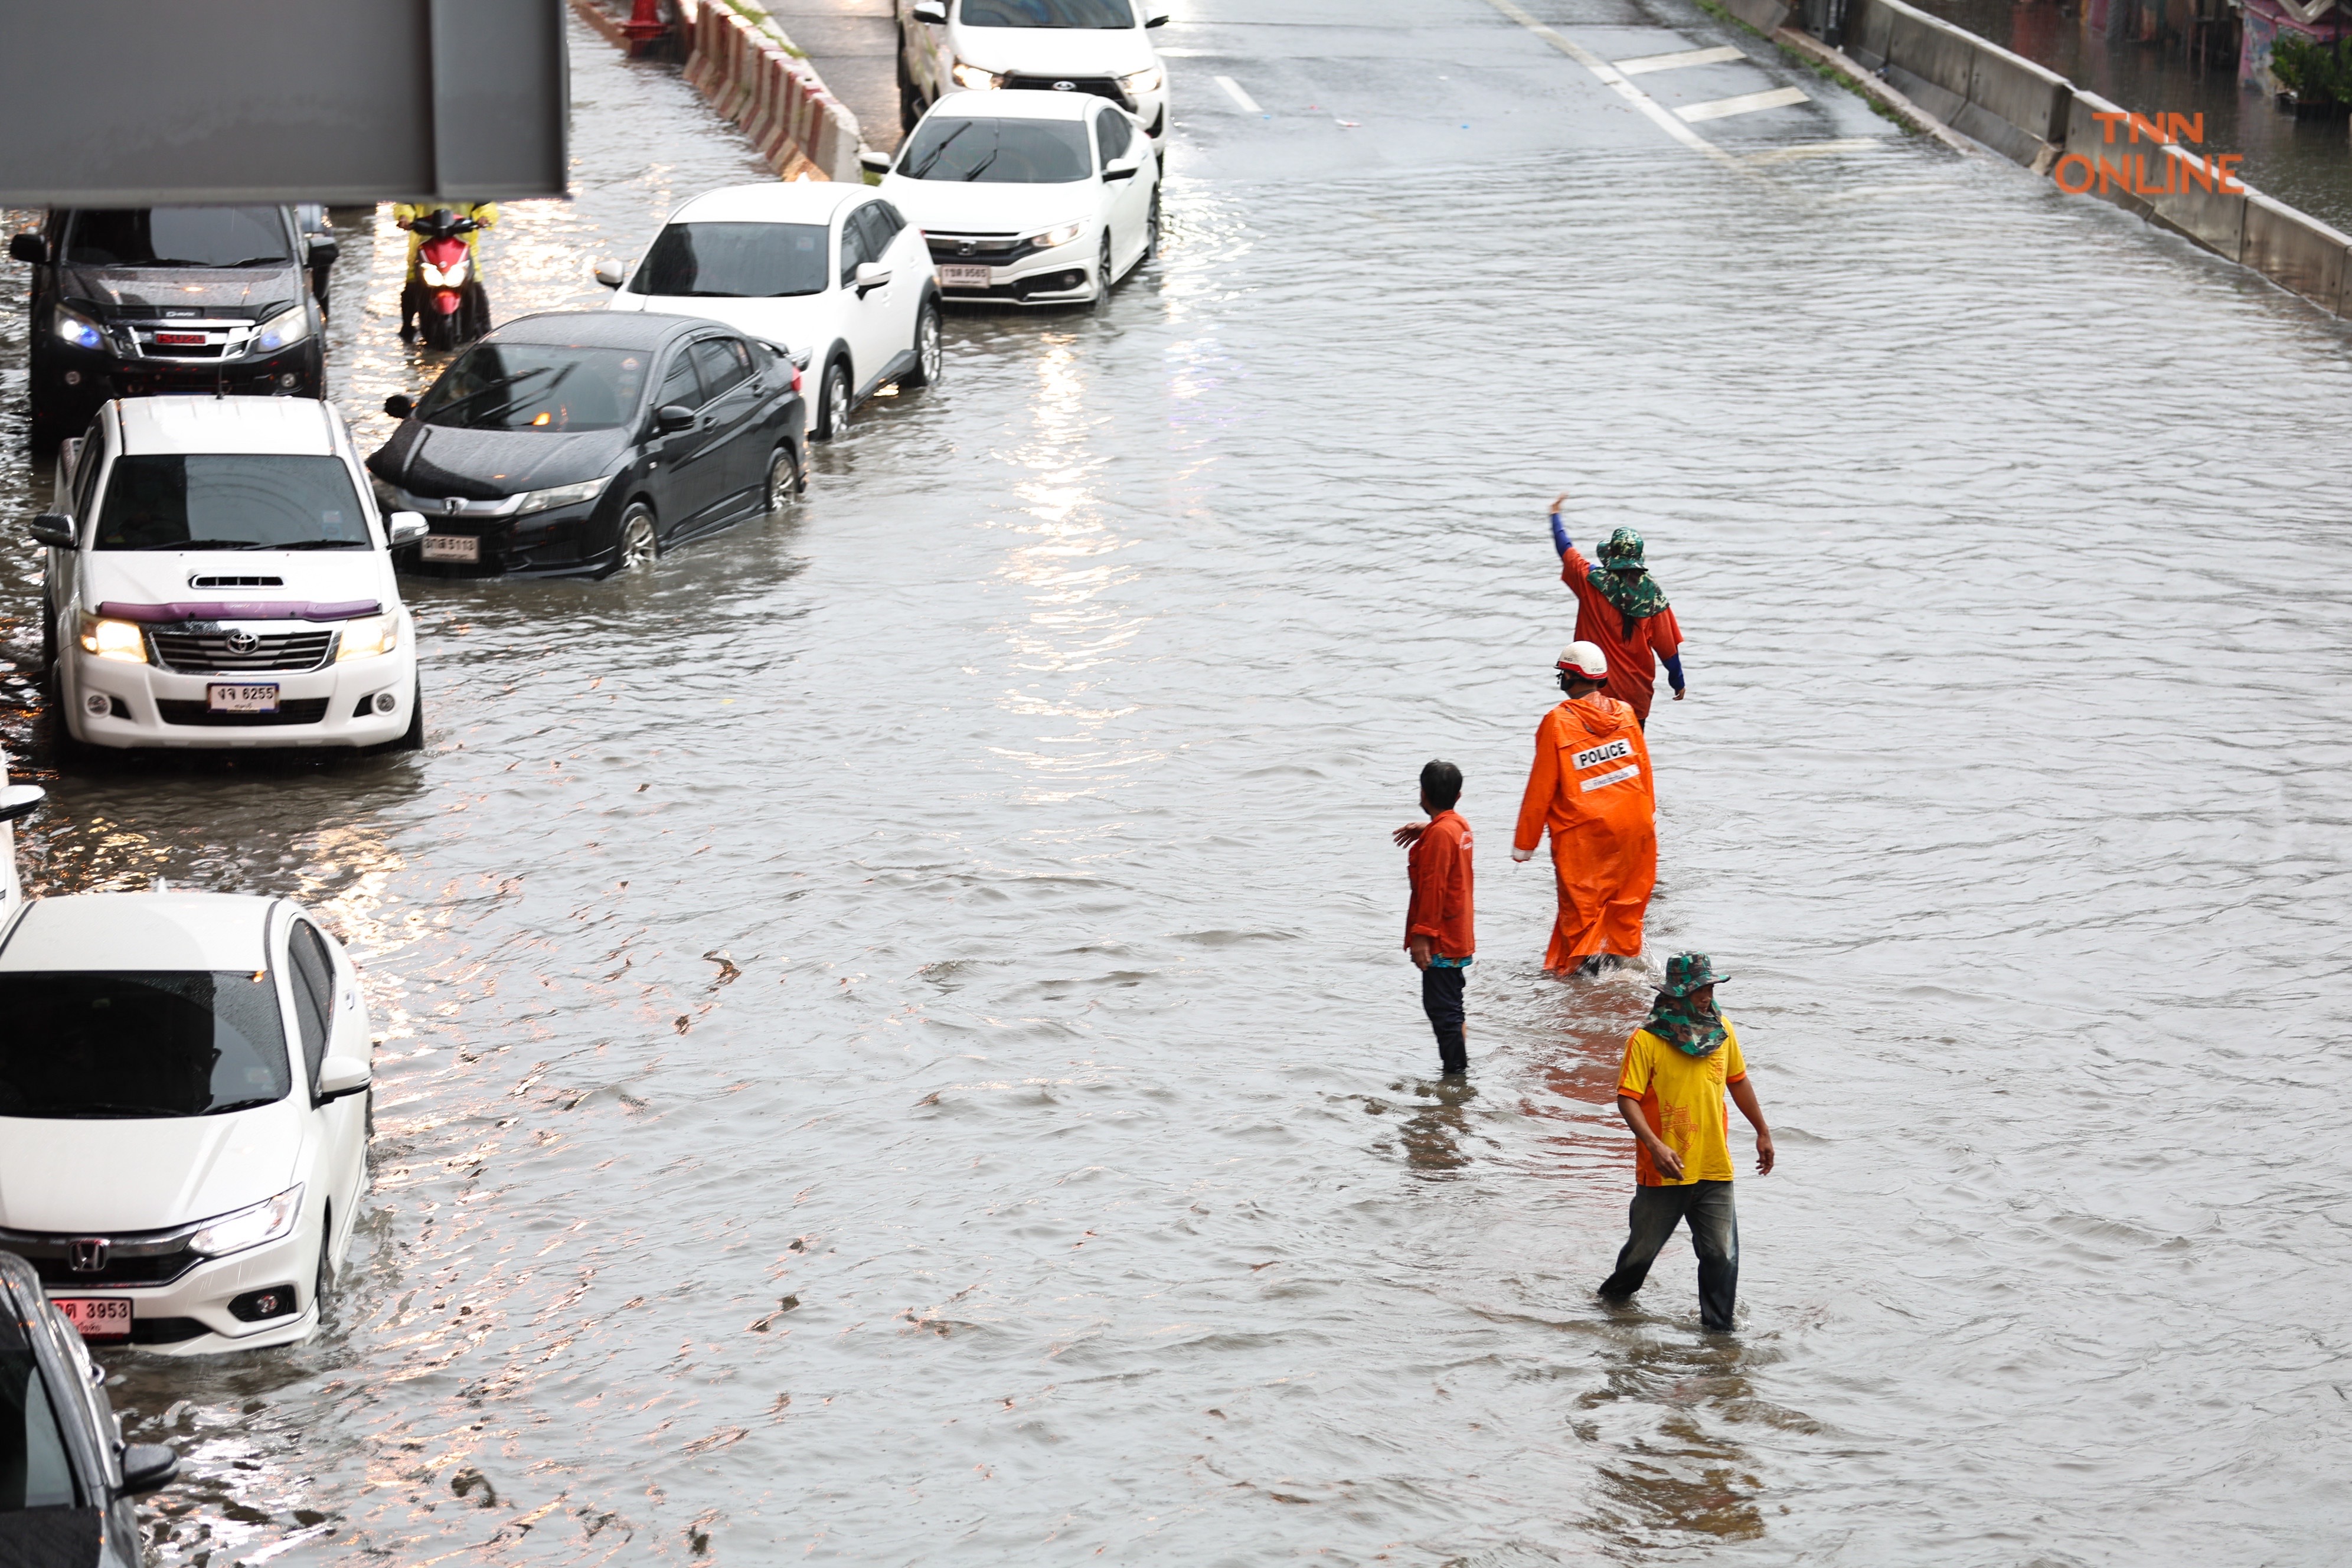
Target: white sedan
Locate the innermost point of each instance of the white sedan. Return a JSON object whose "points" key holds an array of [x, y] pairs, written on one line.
{"points": [[184, 1114], [1030, 198], [834, 274]]}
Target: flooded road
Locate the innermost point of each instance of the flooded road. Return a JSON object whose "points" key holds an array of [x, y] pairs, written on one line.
{"points": [[895, 1044]]}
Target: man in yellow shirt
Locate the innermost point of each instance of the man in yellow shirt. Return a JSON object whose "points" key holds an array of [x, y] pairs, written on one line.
{"points": [[405, 214], [1678, 1065]]}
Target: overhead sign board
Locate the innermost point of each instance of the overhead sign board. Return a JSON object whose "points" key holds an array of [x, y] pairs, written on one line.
{"points": [[147, 102]]}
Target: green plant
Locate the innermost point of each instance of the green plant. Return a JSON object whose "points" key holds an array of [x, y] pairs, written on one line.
{"points": [[2314, 72]]}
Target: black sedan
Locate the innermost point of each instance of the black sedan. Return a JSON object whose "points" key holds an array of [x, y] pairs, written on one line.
{"points": [[586, 442], [66, 1478]]}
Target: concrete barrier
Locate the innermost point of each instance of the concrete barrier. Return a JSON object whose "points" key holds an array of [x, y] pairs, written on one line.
{"points": [[2001, 100], [2297, 251], [753, 76]]}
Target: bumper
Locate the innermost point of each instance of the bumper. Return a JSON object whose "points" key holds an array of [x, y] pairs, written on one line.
{"points": [[81, 379], [150, 705], [1062, 276], [191, 1317], [568, 542]]}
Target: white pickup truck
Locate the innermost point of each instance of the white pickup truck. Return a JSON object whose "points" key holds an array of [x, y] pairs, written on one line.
{"points": [[1098, 47]]}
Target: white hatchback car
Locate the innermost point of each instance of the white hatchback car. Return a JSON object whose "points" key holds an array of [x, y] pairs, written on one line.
{"points": [[218, 576], [833, 273], [1030, 198], [1101, 48], [184, 1114]]}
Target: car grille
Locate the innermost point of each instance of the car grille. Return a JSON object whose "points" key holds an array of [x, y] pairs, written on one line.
{"points": [[151, 1257], [207, 652], [294, 711], [987, 249], [1099, 86]]}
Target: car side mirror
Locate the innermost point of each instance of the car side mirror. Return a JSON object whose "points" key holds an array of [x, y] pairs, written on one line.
{"points": [[1157, 19], [934, 11], [873, 160], [611, 274], [400, 406], [870, 275], [18, 801], [340, 1076], [406, 528], [148, 1467], [1122, 168], [53, 528], [325, 253], [29, 247], [672, 418]]}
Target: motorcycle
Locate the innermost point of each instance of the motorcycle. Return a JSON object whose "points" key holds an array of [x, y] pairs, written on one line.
{"points": [[444, 293]]}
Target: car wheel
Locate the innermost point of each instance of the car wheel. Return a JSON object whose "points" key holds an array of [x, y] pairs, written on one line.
{"points": [[326, 1277], [638, 544], [1103, 274], [49, 432], [437, 330], [1151, 231], [49, 640], [783, 481], [414, 739], [833, 403], [928, 354]]}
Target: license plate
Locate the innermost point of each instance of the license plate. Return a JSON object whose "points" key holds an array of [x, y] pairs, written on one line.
{"points": [[964, 276], [246, 697], [193, 339], [98, 1317], [452, 547]]}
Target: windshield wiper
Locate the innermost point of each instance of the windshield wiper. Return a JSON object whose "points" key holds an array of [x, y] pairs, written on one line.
{"points": [[945, 142], [199, 545], [324, 544], [982, 167], [499, 385], [238, 1105], [251, 261]]}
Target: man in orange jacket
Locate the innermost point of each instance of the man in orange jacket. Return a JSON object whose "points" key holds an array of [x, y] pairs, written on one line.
{"points": [[1592, 787]]}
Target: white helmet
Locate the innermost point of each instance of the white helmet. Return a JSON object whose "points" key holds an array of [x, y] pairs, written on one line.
{"points": [[1584, 661]]}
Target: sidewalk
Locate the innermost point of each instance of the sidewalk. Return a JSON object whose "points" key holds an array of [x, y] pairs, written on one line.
{"points": [[2306, 164], [854, 45]]}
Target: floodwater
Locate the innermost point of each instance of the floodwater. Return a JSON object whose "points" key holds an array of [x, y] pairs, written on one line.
{"points": [[2306, 164], [895, 1048]]}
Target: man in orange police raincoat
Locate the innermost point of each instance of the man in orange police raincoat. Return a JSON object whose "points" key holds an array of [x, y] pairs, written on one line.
{"points": [[1593, 788]]}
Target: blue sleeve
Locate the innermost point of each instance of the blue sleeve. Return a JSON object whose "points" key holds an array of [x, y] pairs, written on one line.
{"points": [[1674, 663], [1560, 540]]}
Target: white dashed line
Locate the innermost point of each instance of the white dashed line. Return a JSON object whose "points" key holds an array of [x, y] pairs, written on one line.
{"points": [[1746, 103], [1234, 90], [1616, 80], [1645, 64]]}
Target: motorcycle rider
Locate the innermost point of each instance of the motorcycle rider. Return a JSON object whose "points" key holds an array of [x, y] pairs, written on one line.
{"points": [[405, 214]]}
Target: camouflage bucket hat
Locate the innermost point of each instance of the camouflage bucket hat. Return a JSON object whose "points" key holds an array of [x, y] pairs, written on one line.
{"points": [[1624, 549], [1686, 971]]}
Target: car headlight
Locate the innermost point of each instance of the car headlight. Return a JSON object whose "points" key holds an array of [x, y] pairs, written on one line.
{"points": [[1140, 82], [973, 76], [269, 1220], [113, 639], [1060, 234], [77, 329], [561, 495], [369, 635], [285, 327]]}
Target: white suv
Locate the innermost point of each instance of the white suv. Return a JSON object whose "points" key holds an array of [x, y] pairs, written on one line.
{"points": [[218, 576], [1098, 47]]}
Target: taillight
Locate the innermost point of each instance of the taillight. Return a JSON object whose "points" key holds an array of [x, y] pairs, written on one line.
{"points": [[796, 378]]}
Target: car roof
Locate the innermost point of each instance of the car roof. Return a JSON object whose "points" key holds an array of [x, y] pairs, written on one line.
{"points": [[1018, 104], [599, 329], [140, 932], [770, 201], [281, 425]]}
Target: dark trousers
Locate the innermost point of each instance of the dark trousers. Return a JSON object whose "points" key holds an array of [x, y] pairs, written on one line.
{"points": [[1715, 1237], [1441, 998]]}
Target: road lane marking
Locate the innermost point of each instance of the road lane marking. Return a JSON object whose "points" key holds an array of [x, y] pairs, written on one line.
{"points": [[1746, 103], [1643, 63], [1818, 150], [1234, 90], [1618, 82]]}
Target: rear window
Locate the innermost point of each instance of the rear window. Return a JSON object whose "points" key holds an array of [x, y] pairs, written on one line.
{"points": [[240, 501], [554, 387], [998, 152], [734, 261], [1047, 14], [177, 237], [91, 1046]]}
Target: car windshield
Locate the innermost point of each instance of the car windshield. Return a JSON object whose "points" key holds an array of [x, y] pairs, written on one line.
{"points": [[177, 237], [79, 1045], [1047, 14], [34, 1469], [735, 261], [538, 387], [230, 500], [998, 152]]}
